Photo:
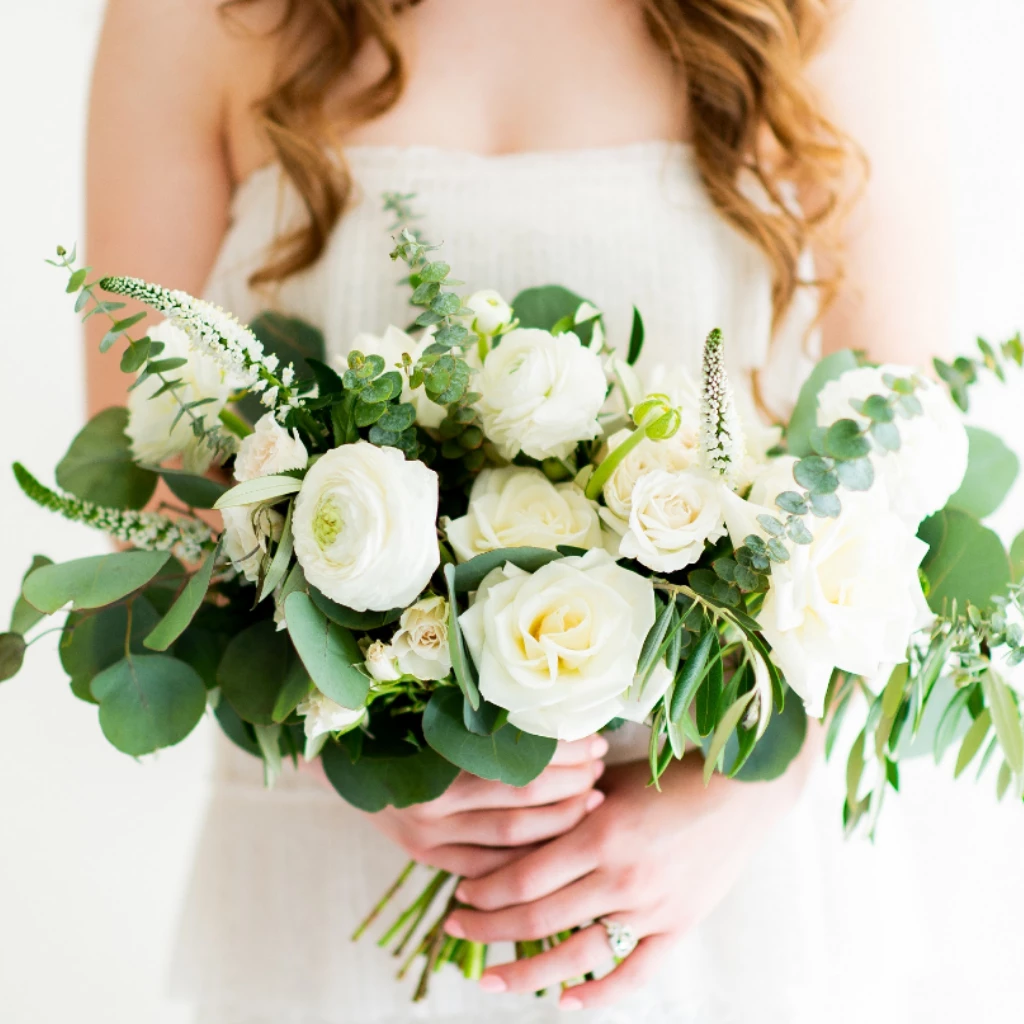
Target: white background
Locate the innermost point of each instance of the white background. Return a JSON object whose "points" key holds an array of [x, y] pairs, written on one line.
{"points": [[95, 849]]}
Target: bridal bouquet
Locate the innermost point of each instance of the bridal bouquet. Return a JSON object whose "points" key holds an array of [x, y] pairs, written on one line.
{"points": [[458, 545]]}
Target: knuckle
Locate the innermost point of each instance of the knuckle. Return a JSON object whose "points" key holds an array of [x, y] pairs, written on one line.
{"points": [[628, 879], [508, 828], [535, 921]]}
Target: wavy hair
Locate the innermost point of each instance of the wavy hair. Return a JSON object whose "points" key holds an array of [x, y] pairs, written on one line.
{"points": [[750, 110]]}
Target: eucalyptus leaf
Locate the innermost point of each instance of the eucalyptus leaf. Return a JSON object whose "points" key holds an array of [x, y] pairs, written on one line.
{"points": [[181, 613], [12, 655], [469, 575], [253, 670], [966, 562], [351, 619], [1016, 558], [23, 615], [99, 466], [805, 413], [92, 582], [195, 491], [543, 307], [991, 471], [263, 488]]}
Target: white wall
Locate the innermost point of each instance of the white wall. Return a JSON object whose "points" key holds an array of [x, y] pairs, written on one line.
{"points": [[94, 850]]}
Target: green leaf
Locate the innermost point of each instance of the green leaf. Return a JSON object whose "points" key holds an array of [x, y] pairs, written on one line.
{"points": [[710, 693], [329, 652], [844, 440], [966, 561], [92, 582], [725, 729], [543, 307], [98, 466], [181, 613], [462, 666], [362, 621], [282, 557], [816, 474], [372, 783], [856, 475], [948, 728], [1016, 558], [253, 671], [195, 491], [148, 702], [24, 616], [991, 471], [508, 755], [887, 435], [12, 655], [825, 506], [654, 639], [692, 673], [263, 488], [972, 741], [855, 769], [1006, 719], [469, 575], [636, 338], [776, 749], [297, 685], [805, 414]]}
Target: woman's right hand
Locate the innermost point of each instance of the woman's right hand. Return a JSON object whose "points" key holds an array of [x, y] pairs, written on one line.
{"points": [[478, 826]]}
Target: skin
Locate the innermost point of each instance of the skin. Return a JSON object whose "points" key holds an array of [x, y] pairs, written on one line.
{"points": [[175, 82]]}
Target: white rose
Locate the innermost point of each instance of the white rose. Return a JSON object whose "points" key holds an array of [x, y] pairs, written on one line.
{"points": [[149, 429], [520, 507], [541, 394], [321, 717], [490, 312], [380, 662], [390, 347], [671, 517], [930, 464], [559, 648], [420, 644], [269, 449], [365, 527], [247, 530], [850, 600]]}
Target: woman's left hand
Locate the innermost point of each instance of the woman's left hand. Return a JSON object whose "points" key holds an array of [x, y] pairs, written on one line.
{"points": [[658, 862]]}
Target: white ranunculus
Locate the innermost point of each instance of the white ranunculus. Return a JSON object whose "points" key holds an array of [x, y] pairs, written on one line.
{"points": [[420, 644], [559, 648], [541, 394], [247, 531], [849, 600], [269, 449], [671, 517], [930, 464], [519, 507], [380, 661], [390, 346], [149, 429], [321, 717], [365, 527], [490, 312]]}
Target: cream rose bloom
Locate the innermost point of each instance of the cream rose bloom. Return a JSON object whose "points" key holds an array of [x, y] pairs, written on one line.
{"points": [[932, 459], [490, 312], [247, 532], [321, 717], [380, 662], [153, 439], [671, 517], [559, 648], [520, 507], [365, 527], [850, 600], [420, 644], [541, 394], [269, 449], [390, 346]]}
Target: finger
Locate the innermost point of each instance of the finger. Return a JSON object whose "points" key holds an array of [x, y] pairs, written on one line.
{"points": [[593, 748], [584, 951], [633, 972], [548, 869], [519, 826], [585, 900], [552, 785], [469, 861]]}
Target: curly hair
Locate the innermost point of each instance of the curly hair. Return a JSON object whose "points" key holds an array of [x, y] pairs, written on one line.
{"points": [[750, 109]]}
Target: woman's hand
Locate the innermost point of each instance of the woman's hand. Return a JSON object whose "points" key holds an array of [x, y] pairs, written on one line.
{"points": [[659, 862], [478, 826]]}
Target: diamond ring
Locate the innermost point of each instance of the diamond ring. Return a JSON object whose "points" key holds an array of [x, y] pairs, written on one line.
{"points": [[621, 938]]}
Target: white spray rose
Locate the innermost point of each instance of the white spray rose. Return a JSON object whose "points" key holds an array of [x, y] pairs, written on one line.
{"points": [[390, 346], [269, 449], [420, 644], [149, 429], [850, 600], [380, 661], [559, 648], [365, 527], [490, 312], [520, 507], [247, 531], [932, 459], [671, 517], [541, 394], [321, 717]]}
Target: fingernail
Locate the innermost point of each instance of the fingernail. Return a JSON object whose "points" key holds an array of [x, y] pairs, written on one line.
{"points": [[455, 929], [599, 747], [462, 894], [598, 769], [569, 1003], [493, 983], [594, 800]]}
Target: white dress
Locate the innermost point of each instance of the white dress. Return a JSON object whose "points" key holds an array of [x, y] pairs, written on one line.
{"points": [[281, 877]]}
